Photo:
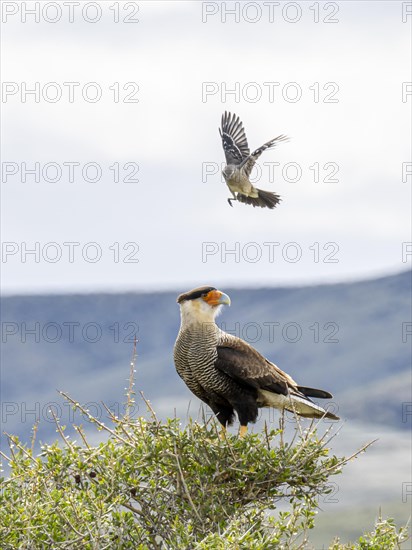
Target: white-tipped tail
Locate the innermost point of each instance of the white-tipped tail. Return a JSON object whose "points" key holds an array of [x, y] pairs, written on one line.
{"points": [[294, 403]]}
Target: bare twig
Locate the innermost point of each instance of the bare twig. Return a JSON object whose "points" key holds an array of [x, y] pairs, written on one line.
{"points": [[354, 455], [79, 430], [133, 509], [119, 422], [13, 439], [92, 418], [186, 490], [130, 390], [33, 437], [59, 429], [149, 406], [7, 458]]}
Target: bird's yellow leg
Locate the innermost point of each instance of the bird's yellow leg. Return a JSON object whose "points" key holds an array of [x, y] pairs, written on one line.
{"points": [[242, 431], [222, 434]]}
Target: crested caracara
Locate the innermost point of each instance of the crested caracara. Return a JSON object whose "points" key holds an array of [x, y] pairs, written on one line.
{"points": [[227, 373]]}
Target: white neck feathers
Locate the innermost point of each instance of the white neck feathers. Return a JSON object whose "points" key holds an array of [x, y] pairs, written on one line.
{"points": [[194, 312]]}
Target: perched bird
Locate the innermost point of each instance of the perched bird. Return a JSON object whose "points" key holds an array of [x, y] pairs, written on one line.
{"points": [[227, 373], [239, 164]]}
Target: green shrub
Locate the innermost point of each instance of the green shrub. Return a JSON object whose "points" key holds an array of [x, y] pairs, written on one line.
{"points": [[154, 484]]}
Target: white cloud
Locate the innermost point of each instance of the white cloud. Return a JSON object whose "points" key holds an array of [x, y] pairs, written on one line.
{"points": [[171, 131]]}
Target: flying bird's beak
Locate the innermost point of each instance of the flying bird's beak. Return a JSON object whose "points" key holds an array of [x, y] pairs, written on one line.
{"points": [[217, 298]]}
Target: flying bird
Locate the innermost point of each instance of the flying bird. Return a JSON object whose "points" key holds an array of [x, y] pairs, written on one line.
{"points": [[227, 373], [239, 164]]}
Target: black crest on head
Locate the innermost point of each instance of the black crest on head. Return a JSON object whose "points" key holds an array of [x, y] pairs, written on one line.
{"points": [[195, 293]]}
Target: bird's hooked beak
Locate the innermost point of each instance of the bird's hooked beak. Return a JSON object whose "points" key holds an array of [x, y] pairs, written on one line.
{"points": [[216, 298]]}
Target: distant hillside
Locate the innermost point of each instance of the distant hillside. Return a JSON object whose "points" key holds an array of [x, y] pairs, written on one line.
{"points": [[345, 338]]}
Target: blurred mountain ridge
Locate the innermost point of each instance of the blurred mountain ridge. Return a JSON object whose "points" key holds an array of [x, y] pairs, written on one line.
{"points": [[352, 339]]}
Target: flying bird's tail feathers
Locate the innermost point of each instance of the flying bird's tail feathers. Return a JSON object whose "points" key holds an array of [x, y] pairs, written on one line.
{"points": [[265, 199]]}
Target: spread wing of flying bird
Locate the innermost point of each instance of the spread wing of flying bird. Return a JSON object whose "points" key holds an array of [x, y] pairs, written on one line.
{"points": [[239, 163], [233, 139]]}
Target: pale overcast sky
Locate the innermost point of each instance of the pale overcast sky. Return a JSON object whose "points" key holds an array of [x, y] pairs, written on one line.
{"points": [[333, 76]]}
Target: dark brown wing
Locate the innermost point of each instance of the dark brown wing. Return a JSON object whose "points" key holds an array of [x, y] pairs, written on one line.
{"points": [[234, 139], [248, 367]]}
